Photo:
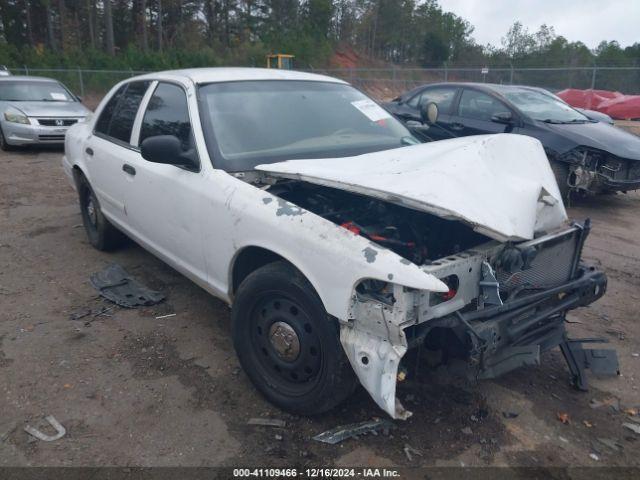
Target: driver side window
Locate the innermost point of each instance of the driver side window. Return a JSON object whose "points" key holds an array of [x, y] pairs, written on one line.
{"points": [[168, 114], [480, 106]]}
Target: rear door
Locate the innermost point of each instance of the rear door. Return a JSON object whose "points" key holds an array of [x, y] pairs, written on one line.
{"points": [[444, 97], [474, 112], [163, 201], [107, 150]]}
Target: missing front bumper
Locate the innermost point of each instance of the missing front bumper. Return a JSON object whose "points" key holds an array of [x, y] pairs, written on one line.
{"points": [[506, 337], [497, 339]]}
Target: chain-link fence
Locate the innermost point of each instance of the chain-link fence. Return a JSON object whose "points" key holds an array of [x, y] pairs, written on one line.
{"points": [[384, 83], [396, 80]]}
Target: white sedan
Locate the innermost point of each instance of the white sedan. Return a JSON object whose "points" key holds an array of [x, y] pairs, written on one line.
{"points": [[339, 241]]}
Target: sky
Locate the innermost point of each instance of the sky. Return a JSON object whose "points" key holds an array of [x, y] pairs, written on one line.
{"points": [[588, 21]]}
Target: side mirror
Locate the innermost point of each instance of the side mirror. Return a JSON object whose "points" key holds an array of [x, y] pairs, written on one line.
{"points": [[429, 113], [167, 149], [503, 117]]}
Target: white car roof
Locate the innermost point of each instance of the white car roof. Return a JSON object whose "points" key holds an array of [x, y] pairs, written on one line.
{"points": [[230, 74]]}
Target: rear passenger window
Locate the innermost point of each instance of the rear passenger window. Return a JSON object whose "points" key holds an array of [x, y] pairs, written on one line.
{"points": [[116, 120], [443, 97], [102, 125], [167, 114]]}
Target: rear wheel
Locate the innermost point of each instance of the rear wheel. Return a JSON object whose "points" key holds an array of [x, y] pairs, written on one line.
{"points": [[287, 343], [100, 232], [561, 172]]}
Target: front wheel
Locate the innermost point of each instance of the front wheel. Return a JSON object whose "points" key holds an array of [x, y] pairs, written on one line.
{"points": [[4, 146], [287, 343]]}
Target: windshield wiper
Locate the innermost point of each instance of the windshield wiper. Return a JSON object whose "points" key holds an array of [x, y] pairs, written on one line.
{"points": [[565, 122]]}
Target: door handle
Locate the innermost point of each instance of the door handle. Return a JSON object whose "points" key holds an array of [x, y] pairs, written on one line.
{"points": [[457, 126], [89, 151], [128, 169]]}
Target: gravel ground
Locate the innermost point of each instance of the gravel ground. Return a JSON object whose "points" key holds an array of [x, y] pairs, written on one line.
{"points": [[132, 389]]}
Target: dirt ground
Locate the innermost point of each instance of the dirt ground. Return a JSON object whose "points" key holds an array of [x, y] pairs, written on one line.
{"points": [[132, 389]]}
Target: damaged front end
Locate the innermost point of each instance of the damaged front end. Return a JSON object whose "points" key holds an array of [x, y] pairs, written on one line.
{"points": [[506, 305], [506, 302], [595, 171], [492, 233]]}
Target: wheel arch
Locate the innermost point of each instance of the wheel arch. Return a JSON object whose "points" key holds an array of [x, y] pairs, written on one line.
{"points": [[78, 173], [252, 257]]}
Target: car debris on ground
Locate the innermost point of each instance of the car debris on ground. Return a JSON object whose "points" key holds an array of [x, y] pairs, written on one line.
{"points": [[611, 444], [267, 422], [60, 430], [339, 434], [116, 285], [635, 428], [409, 451], [612, 402]]}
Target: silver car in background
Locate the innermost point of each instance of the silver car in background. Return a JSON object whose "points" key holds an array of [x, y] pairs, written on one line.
{"points": [[36, 110]]}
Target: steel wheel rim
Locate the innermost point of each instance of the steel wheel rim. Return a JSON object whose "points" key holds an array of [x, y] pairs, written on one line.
{"points": [[286, 344]]}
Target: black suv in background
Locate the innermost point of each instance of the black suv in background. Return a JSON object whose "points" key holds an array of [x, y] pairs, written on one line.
{"points": [[585, 154]]}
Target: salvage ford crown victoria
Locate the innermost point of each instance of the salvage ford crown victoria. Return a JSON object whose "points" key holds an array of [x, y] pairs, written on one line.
{"points": [[338, 240]]}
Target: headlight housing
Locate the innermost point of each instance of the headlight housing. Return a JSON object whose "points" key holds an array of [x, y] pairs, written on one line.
{"points": [[14, 115]]}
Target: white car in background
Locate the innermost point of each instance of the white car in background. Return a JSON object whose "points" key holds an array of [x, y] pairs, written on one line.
{"points": [[339, 241]]}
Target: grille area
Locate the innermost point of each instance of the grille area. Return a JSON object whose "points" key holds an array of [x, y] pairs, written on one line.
{"points": [[51, 122], [620, 169], [550, 267], [52, 138]]}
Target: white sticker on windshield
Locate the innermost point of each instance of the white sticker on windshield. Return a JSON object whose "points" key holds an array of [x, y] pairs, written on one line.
{"points": [[371, 109], [58, 96]]}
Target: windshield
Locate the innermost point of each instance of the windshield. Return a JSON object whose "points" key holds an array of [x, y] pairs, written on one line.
{"points": [[257, 122], [30, 91], [544, 107]]}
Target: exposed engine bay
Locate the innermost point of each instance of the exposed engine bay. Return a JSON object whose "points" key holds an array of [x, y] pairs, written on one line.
{"points": [[417, 236], [504, 307]]}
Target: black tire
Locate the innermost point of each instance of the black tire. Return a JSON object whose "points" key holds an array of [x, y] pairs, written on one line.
{"points": [[319, 377], [100, 232], [4, 146], [561, 172]]}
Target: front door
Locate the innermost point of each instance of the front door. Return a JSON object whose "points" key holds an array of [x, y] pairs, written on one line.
{"points": [[475, 112], [163, 201]]}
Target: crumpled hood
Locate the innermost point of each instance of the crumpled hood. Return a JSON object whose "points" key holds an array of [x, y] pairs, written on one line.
{"points": [[501, 185], [52, 109]]}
